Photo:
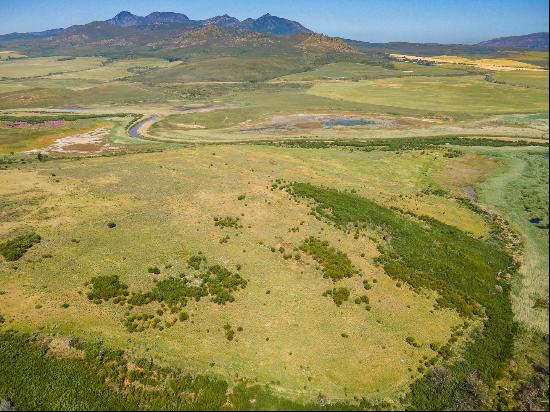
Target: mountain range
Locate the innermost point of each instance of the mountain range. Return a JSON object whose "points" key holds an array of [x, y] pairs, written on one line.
{"points": [[533, 41], [264, 24], [175, 30]]}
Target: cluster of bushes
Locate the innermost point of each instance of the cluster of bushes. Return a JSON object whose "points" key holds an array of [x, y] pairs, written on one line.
{"points": [[172, 293], [61, 116], [229, 332], [363, 299], [105, 288], [435, 191], [367, 285], [339, 295], [469, 274], [217, 282], [401, 144], [228, 221], [14, 249], [196, 261], [453, 153], [335, 264]]}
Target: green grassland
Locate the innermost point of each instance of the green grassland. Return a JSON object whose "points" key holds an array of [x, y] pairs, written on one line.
{"points": [[438, 94], [117, 69], [44, 66], [524, 184], [538, 80], [307, 266], [228, 69], [360, 71], [184, 226]]}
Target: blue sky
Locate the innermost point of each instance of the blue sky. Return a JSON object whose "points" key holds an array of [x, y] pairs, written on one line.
{"points": [[443, 21]]}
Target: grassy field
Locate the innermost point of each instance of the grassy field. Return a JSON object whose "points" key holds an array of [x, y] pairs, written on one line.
{"points": [[8, 55], [323, 263], [438, 94], [90, 195], [118, 69], [352, 70], [44, 66], [228, 69], [538, 80], [520, 191]]}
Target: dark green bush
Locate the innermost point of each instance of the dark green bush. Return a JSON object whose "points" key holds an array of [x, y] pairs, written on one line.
{"points": [[106, 287], [339, 295], [15, 248], [335, 264], [228, 221]]}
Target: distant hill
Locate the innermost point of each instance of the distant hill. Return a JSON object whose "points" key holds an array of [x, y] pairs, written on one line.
{"points": [[533, 41], [273, 24], [264, 24], [127, 34], [126, 19]]}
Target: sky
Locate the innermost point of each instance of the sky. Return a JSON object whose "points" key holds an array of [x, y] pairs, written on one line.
{"points": [[440, 21]]}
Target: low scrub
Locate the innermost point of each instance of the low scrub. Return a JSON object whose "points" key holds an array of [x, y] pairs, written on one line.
{"points": [[335, 264], [15, 248], [470, 275]]}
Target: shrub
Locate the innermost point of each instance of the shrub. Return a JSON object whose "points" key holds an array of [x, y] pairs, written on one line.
{"points": [[154, 270], [412, 341], [228, 221], [335, 264], [15, 248], [106, 287], [339, 295], [362, 299], [111, 225], [196, 261]]}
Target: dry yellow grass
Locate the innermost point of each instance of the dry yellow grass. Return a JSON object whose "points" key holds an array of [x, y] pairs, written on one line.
{"points": [[486, 64]]}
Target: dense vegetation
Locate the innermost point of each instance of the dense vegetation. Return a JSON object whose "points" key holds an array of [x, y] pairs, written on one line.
{"points": [[397, 144], [15, 248], [105, 379], [58, 116], [335, 264], [471, 276], [106, 287], [171, 293]]}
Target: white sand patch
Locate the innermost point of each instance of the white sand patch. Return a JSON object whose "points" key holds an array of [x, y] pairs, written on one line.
{"points": [[85, 143]]}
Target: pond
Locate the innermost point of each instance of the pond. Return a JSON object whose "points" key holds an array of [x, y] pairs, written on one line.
{"points": [[346, 122], [72, 108]]}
